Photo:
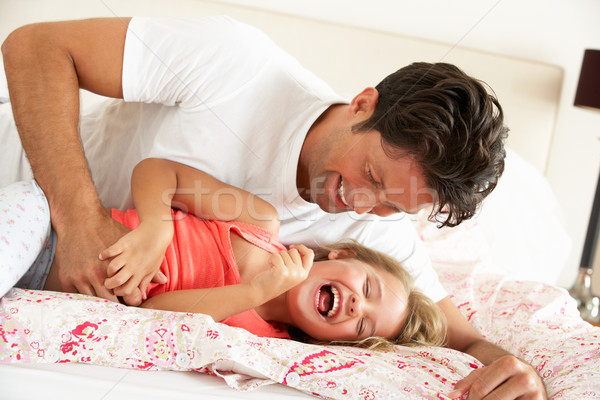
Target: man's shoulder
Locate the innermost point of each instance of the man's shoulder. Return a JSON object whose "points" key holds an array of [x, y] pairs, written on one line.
{"points": [[201, 29]]}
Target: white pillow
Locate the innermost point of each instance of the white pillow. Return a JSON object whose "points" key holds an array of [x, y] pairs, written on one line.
{"points": [[518, 230]]}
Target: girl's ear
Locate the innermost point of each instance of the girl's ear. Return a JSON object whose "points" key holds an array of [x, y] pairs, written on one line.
{"points": [[341, 253]]}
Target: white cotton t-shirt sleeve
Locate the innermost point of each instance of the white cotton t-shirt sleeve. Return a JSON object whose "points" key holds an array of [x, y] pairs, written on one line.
{"points": [[189, 61]]}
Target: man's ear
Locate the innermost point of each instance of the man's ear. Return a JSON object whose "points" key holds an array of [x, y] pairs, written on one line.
{"points": [[340, 254], [363, 104]]}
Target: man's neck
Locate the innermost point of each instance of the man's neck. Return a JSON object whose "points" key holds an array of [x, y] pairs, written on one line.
{"points": [[324, 124]]}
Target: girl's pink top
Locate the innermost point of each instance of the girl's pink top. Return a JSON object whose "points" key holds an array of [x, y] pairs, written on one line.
{"points": [[200, 256]]}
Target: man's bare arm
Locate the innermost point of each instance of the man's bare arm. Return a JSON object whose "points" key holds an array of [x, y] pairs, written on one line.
{"points": [[45, 66]]}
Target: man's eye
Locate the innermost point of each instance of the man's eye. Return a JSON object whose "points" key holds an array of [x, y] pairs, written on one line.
{"points": [[371, 178], [367, 287], [370, 175]]}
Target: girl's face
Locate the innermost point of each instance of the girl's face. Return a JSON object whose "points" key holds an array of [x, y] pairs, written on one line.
{"points": [[346, 299]]}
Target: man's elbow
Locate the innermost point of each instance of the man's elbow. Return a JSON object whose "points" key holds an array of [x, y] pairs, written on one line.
{"points": [[20, 40]]}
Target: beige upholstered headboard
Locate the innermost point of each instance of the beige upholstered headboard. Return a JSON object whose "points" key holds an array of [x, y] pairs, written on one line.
{"points": [[351, 58]]}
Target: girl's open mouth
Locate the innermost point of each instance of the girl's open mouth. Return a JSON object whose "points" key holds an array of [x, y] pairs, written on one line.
{"points": [[327, 300]]}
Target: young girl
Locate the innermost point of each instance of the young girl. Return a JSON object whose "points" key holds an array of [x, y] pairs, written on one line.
{"points": [[220, 255]]}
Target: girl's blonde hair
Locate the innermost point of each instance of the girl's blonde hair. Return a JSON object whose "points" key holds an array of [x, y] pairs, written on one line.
{"points": [[425, 324]]}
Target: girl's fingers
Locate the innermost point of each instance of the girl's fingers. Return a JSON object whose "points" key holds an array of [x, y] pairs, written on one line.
{"points": [[118, 279], [159, 278], [115, 266], [295, 256], [144, 286], [306, 254], [285, 256], [110, 252], [131, 286], [133, 299], [276, 260]]}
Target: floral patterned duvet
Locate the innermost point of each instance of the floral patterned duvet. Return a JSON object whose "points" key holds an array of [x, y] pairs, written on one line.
{"points": [[535, 321]]}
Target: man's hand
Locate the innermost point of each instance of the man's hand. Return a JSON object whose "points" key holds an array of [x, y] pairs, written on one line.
{"points": [[78, 267], [507, 378], [504, 377]]}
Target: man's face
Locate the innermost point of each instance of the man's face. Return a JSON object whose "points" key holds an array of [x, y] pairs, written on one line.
{"points": [[351, 171]]}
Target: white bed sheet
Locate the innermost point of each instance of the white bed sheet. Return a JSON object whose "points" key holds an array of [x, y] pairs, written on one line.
{"points": [[87, 381]]}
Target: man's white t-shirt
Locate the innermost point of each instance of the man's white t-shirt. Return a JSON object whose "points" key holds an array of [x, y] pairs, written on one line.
{"points": [[220, 96]]}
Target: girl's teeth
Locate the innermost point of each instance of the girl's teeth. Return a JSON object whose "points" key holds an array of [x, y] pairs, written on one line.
{"points": [[341, 192], [336, 302]]}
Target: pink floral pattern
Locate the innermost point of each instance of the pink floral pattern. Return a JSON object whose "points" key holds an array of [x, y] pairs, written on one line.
{"points": [[537, 322]]}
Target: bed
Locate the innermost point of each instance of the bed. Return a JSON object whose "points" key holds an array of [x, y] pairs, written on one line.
{"points": [[500, 266]]}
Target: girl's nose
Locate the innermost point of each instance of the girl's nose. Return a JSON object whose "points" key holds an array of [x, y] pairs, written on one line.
{"points": [[355, 306]]}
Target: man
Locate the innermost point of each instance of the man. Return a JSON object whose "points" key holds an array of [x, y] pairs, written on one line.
{"points": [[221, 97]]}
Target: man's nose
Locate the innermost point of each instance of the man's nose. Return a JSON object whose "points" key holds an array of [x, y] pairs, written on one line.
{"points": [[355, 306]]}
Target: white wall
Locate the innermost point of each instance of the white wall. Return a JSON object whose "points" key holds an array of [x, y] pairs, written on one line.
{"points": [[551, 31]]}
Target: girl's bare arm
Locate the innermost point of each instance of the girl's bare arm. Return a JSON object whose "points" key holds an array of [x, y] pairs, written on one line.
{"points": [[158, 185], [286, 269]]}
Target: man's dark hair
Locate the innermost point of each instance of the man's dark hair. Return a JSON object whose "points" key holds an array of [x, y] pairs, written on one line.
{"points": [[452, 127]]}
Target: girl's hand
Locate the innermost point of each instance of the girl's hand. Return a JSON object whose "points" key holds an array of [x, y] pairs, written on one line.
{"points": [[136, 259], [287, 269]]}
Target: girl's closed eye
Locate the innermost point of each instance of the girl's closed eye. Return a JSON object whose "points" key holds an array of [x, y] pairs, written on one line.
{"points": [[366, 291], [361, 327]]}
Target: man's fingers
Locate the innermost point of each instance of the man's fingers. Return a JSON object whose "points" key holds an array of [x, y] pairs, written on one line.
{"points": [[461, 387], [506, 378], [97, 290], [103, 292], [480, 383], [84, 289]]}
